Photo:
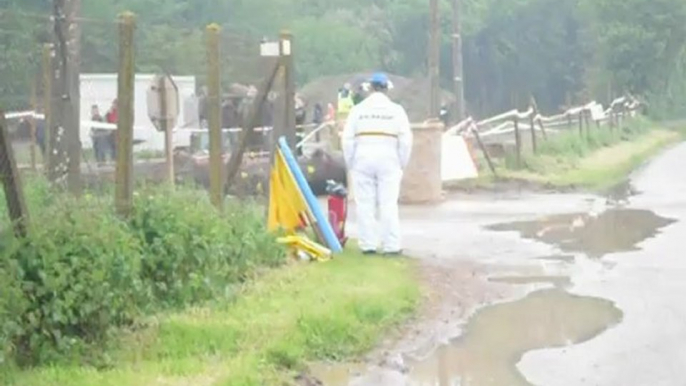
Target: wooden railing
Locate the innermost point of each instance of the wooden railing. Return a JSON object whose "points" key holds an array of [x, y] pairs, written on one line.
{"points": [[510, 126]]}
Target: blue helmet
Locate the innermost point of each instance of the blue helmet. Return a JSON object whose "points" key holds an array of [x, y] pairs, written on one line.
{"points": [[380, 79]]}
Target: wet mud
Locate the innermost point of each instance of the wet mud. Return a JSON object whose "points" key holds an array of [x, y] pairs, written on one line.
{"points": [[556, 281], [596, 235], [620, 193], [496, 338]]}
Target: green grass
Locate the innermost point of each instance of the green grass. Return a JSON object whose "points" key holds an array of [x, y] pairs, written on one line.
{"points": [[597, 169], [334, 310], [597, 160]]}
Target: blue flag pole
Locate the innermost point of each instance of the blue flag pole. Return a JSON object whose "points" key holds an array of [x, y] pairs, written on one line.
{"points": [[322, 222]]}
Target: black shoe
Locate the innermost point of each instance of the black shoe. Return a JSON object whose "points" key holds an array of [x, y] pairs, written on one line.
{"points": [[370, 252], [395, 253]]}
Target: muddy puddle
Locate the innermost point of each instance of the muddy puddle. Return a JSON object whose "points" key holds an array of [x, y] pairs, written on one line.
{"points": [[556, 281], [615, 230], [496, 338]]}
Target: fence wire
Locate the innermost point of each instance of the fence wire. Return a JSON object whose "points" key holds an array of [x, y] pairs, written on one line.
{"points": [[179, 51]]}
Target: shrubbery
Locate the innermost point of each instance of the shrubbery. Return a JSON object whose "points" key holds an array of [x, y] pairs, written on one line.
{"points": [[83, 271], [193, 253], [79, 273]]}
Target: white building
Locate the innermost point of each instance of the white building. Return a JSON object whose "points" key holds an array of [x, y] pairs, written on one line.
{"points": [[101, 90]]}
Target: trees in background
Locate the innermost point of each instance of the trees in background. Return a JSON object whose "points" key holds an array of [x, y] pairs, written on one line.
{"points": [[554, 50]]}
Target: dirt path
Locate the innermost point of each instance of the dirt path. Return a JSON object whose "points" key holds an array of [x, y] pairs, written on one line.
{"points": [[457, 257], [497, 267]]}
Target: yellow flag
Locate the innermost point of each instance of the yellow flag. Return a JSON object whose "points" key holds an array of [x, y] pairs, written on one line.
{"points": [[285, 200]]}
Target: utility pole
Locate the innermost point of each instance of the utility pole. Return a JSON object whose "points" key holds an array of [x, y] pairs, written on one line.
{"points": [[459, 109], [65, 129], [434, 60]]}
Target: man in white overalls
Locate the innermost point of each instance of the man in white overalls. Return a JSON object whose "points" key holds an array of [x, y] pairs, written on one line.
{"points": [[377, 142]]}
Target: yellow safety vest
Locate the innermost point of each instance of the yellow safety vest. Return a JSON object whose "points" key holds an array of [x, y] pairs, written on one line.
{"points": [[345, 104]]}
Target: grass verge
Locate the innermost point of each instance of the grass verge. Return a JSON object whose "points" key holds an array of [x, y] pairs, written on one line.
{"points": [[596, 161], [598, 169], [332, 310]]}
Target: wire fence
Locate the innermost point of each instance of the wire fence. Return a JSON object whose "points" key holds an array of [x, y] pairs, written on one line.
{"points": [[251, 104], [524, 131]]}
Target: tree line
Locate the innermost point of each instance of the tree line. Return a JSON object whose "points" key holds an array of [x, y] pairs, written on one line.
{"points": [[558, 51]]}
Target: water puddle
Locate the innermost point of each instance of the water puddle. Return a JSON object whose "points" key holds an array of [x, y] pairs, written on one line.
{"points": [[557, 281], [615, 230], [496, 338]]}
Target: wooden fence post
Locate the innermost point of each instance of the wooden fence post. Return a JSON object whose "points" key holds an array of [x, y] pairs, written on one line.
{"points": [[16, 206], [485, 152], [518, 142], [581, 124], [166, 128], [125, 103], [532, 122], [286, 51], [252, 121], [540, 120], [32, 121], [620, 117], [72, 115], [214, 86], [47, 107], [613, 118]]}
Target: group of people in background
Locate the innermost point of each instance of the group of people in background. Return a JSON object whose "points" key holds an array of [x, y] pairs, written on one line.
{"points": [[104, 140]]}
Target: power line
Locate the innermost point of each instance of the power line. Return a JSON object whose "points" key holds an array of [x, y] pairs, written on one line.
{"points": [[227, 31], [49, 17]]}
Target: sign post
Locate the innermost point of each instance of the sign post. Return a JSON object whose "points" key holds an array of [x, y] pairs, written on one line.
{"points": [[163, 111]]}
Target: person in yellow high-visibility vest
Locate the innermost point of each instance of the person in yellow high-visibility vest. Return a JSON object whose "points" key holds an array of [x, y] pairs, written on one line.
{"points": [[345, 104], [345, 101]]}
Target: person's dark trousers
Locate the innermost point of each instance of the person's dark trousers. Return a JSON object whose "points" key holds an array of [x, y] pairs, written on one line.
{"points": [[112, 141], [41, 145], [100, 148]]}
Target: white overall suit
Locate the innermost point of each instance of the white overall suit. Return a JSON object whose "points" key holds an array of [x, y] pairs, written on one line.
{"points": [[377, 142]]}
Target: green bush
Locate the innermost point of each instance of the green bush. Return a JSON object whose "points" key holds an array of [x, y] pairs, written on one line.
{"points": [[79, 272], [82, 271], [193, 253], [12, 306]]}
